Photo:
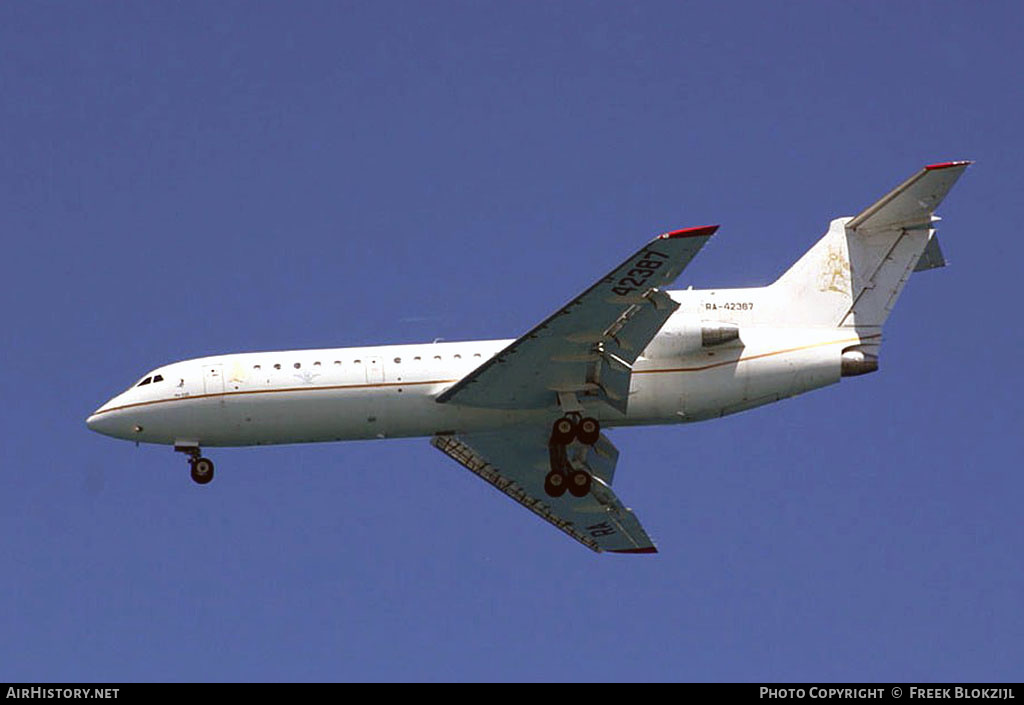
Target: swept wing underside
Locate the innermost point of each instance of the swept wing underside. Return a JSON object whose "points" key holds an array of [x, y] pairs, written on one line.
{"points": [[515, 462]]}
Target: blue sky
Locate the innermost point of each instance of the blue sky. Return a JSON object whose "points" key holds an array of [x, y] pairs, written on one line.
{"points": [[183, 179]]}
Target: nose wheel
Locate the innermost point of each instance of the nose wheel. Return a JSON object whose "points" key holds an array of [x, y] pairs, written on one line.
{"points": [[201, 469]]}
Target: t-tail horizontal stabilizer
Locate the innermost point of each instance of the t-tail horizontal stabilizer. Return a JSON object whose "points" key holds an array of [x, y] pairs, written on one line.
{"points": [[854, 274]]}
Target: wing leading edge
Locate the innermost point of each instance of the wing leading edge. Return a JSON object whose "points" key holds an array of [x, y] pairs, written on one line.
{"points": [[589, 345]]}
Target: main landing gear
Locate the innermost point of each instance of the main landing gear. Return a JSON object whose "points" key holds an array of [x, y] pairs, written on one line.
{"points": [[201, 468], [563, 475]]}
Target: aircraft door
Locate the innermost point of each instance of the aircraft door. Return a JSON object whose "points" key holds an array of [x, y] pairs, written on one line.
{"points": [[374, 370], [213, 379]]}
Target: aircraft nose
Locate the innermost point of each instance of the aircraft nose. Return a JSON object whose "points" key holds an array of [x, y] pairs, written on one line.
{"points": [[101, 420], [95, 421]]}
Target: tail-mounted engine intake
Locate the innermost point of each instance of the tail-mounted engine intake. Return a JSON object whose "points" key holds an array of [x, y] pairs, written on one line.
{"points": [[683, 337], [718, 333], [855, 361]]}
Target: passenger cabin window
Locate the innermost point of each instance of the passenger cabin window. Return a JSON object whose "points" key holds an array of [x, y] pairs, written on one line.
{"points": [[277, 366], [298, 365], [256, 367], [337, 362], [398, 360]]}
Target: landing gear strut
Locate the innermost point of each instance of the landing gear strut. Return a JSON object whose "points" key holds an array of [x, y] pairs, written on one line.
{"points": [[201, 468], [563, 475]]}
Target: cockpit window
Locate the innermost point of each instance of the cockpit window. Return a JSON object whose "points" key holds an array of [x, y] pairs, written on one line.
{"points": [[152, 379]]}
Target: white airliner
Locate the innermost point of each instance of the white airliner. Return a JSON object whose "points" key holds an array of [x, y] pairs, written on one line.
{"points": [[527, 414]]}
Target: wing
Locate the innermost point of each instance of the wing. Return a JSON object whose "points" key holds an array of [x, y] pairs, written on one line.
{"points": [[911, 204], [516, 462], [589, 345]]}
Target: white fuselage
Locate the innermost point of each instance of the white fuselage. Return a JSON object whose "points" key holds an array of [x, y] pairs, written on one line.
{"points": [[302, 396]]}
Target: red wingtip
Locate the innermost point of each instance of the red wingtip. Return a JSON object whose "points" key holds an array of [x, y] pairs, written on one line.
{"points": [[649, 549], [946, 165], [691, 232]]}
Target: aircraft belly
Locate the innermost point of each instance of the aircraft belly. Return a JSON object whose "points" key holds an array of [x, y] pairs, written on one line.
{"points": [[297, 417], [311, 415]]}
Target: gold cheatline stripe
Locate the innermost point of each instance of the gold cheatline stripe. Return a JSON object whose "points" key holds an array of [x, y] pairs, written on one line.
{"points": [[273, 391], [451, 381]]}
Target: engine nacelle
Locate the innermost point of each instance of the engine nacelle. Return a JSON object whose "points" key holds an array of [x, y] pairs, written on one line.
{"points": [[856, 361], [685, 335]]}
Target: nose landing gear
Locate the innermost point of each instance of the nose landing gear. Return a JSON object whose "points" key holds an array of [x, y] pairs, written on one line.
{"points": [[201, 468]]}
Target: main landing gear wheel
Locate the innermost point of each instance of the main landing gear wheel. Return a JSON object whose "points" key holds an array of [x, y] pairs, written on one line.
{"points": [[579, 483], [202, 470], [555, 483], [563, 431], [563, 476], [588, 431]]}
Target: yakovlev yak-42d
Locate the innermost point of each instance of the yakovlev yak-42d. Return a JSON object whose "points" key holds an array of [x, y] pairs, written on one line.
{"points": [[528, 415]]}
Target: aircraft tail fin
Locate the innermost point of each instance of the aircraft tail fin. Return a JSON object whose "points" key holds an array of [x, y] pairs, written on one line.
{"points": [[854, 274]]}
